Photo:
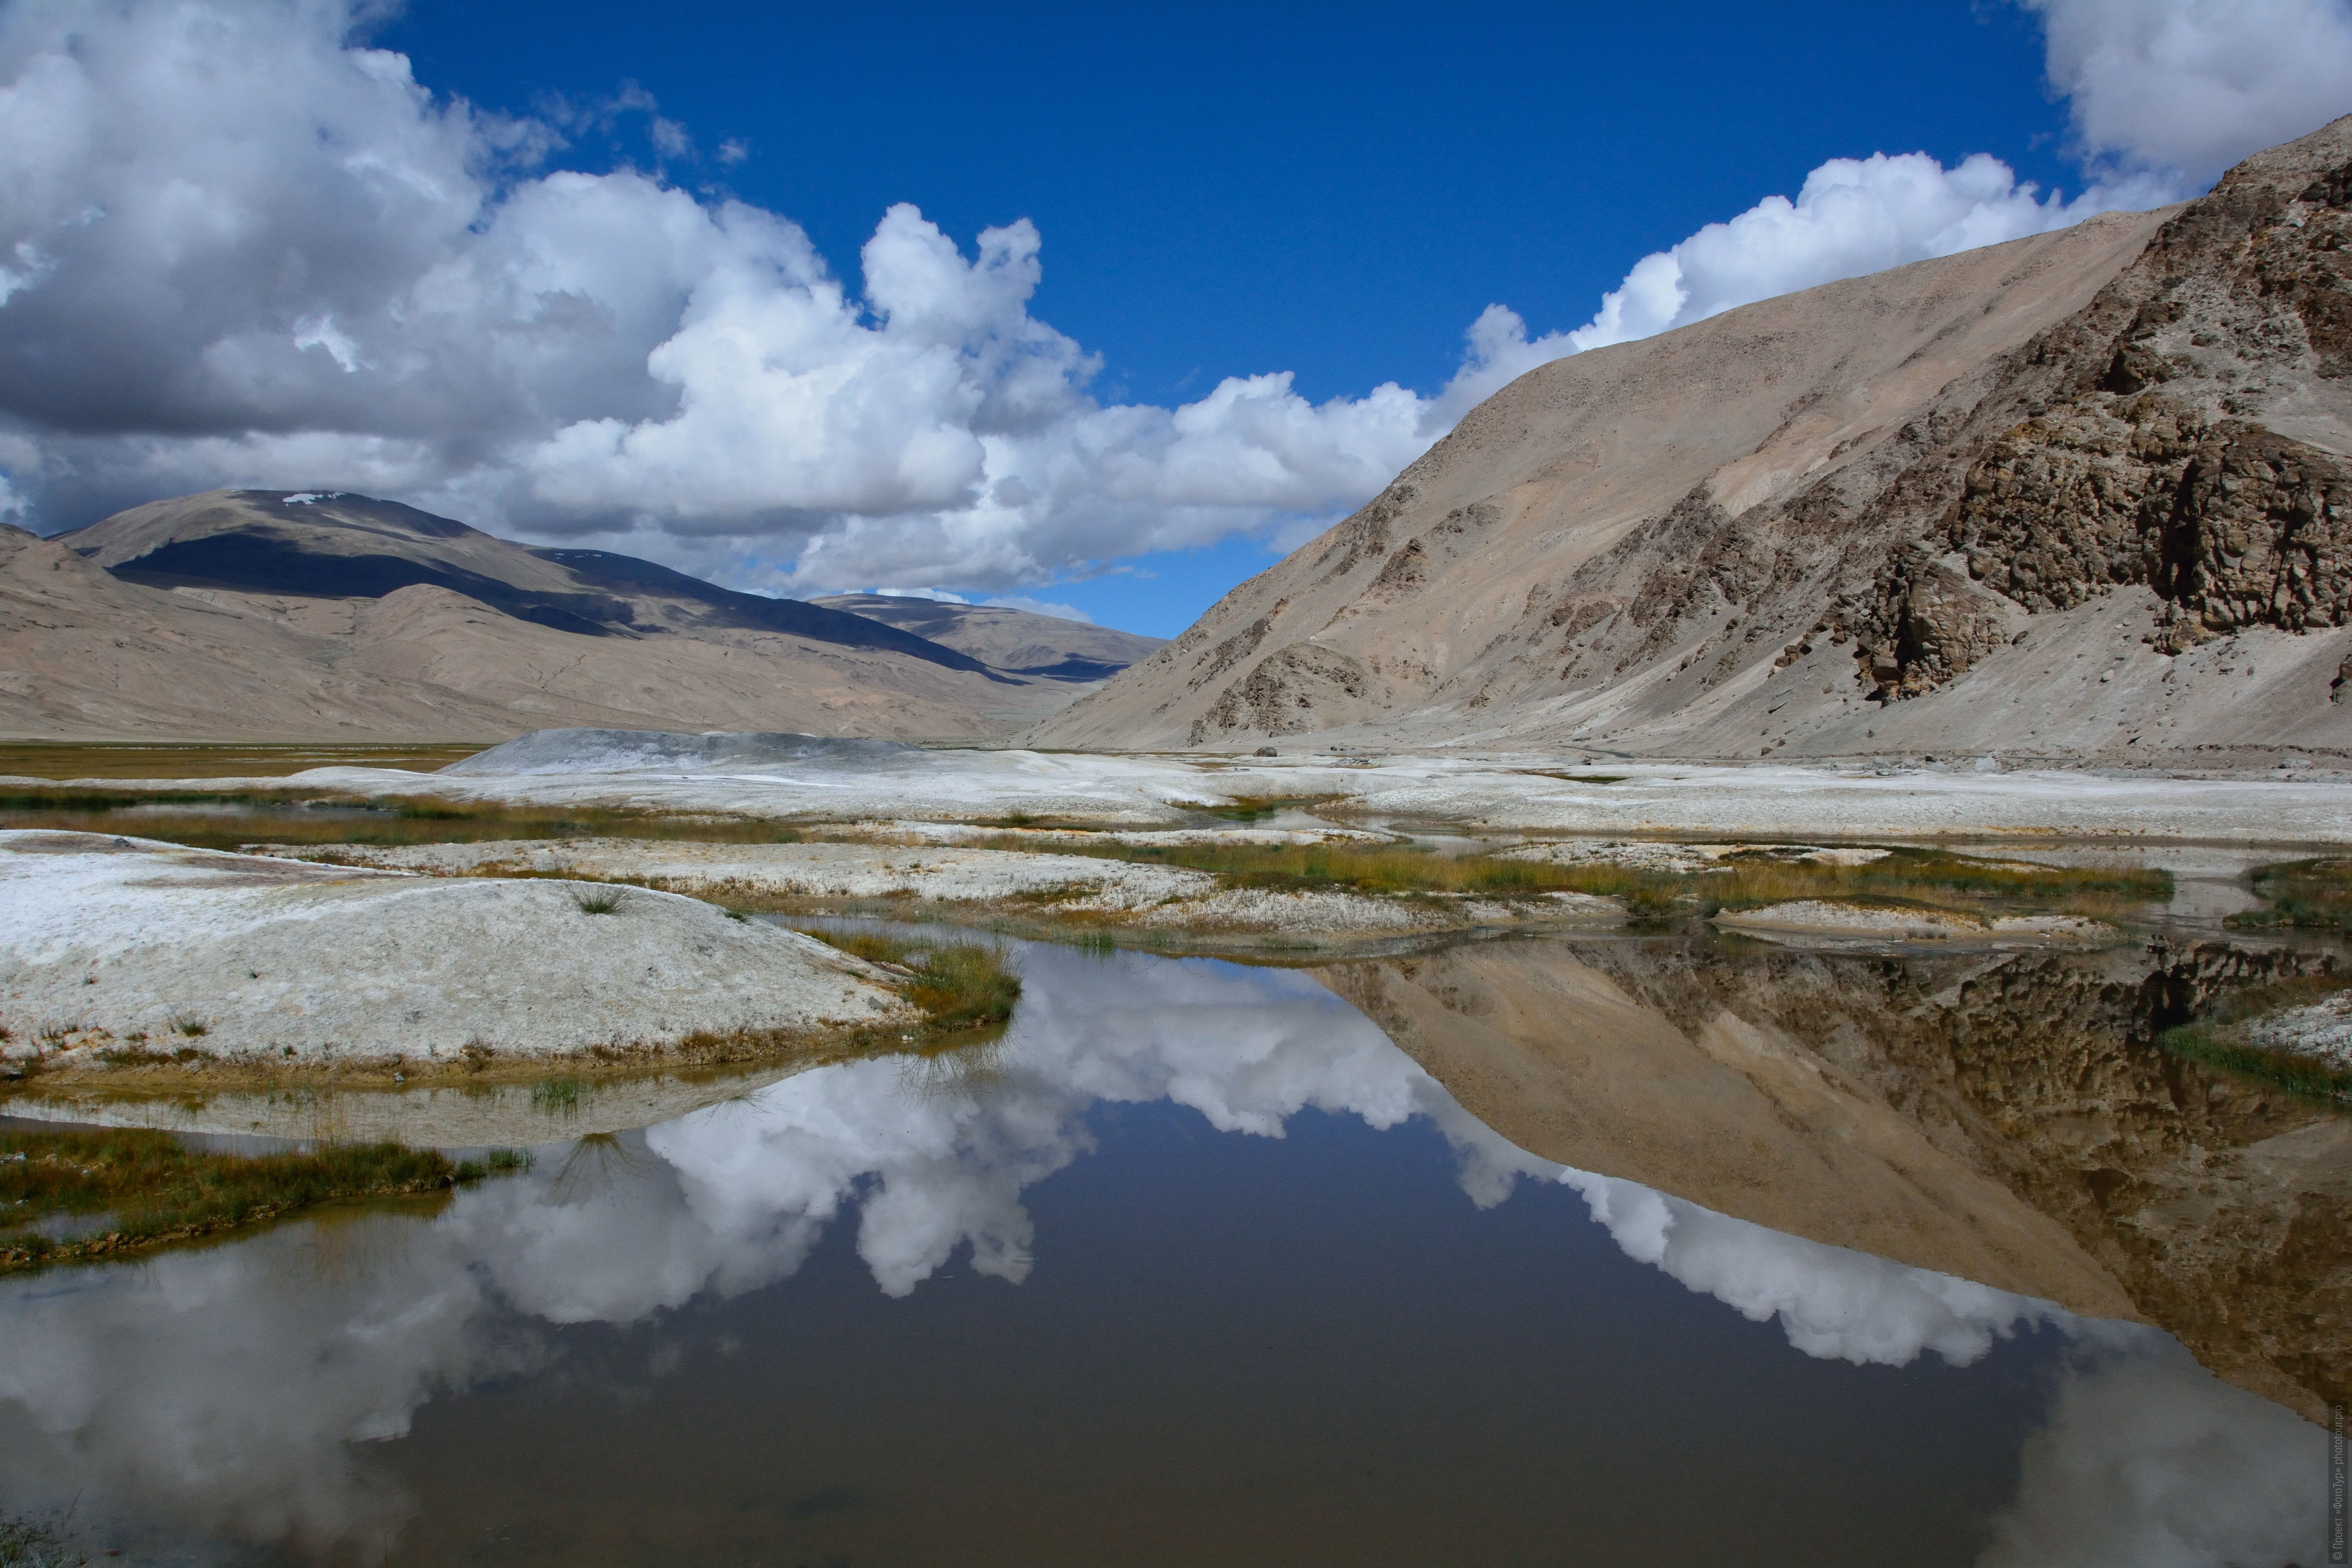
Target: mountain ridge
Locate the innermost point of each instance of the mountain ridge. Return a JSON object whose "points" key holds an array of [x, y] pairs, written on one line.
{"points": [[1017, 641], [249, 541], [419, 627]]}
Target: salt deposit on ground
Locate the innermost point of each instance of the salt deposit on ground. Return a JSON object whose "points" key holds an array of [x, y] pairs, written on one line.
{"points": [[1514, 794], [2321, 1031], [1652, 855], [806, 871], [1822, 917], [112, 942], [914, 832], [1093, 891]]}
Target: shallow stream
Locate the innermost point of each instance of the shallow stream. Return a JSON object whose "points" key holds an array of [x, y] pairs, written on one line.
{"points": [[1204, 1263]]}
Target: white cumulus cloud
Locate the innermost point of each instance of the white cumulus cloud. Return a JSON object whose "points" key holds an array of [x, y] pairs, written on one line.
{"points": [[239, 246], [2180, 89]]}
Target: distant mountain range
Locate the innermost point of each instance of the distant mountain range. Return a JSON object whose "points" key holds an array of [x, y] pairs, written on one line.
{"points": [[1016, 641], [306, 614], [2083, 496]]}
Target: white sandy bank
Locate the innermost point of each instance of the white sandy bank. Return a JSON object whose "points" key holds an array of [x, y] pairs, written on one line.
{"points": [[111, 941]]}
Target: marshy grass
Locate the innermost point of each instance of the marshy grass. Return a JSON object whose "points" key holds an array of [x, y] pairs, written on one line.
{"points": [[2217, 1036], [1925, 878], [2313, 894], [1248, 809], [959, 985], [206, 820], [496, 1162], [144, 1188], [134, 759], [557, 1096], [2288, 1070], [28, 1542]]}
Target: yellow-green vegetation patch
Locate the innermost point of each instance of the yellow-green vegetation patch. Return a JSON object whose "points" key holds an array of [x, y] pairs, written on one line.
{"points": [[2315, 894], [101, 760], [2219, 1038], [1916, 878], [231, 820], [74, 1194], [44, 1542], [959, 985], [2289, 1070], [1247, 808]]}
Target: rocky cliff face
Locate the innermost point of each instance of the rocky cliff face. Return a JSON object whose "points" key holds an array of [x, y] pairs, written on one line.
{"points": [[1982, 503]]}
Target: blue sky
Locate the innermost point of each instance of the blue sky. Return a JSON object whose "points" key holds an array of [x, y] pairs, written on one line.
{"points": [[1335, 190], [1094, 306]]}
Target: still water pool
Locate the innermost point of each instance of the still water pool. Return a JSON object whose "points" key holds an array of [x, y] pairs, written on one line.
{"points": [[1194, 1265]]}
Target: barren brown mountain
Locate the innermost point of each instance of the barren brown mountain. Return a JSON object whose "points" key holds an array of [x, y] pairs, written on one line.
{"points": [[2082, 496], [1016, 641], [242, 615]]}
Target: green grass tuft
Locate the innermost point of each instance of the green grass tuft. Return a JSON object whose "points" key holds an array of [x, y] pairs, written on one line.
{"points": [[1930, 878], [957, 984], [2215, 1048], [230, 819], [157, 1188], [27, 1542], [2312, 894], [596, 900]]}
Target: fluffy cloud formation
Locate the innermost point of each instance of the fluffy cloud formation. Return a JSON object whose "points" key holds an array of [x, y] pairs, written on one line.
{"points": [[2179, 89], [1854, 215], [236, 247]]}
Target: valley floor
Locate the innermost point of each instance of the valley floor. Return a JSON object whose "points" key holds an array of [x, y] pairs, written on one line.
{"points": [[1573, 793]]}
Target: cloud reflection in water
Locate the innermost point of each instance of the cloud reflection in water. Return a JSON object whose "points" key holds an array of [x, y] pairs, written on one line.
{"points": [[221, 1387]]}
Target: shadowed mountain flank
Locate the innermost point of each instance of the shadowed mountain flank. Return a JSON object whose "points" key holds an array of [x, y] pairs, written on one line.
{"points": [[347, 546], [1016, 641], [264, 615], [2082, 497]]}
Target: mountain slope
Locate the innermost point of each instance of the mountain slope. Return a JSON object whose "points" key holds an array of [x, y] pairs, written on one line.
{"points": [[91, 654], [1013, 640], [351, 546], [2079, 496]]}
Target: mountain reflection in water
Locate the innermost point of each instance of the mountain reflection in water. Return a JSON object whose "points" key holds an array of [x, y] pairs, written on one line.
{"points": [[1258, 1319]]}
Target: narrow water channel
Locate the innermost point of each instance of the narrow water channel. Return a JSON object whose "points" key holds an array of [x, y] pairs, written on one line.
{"points": [[1195, 1265]]}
